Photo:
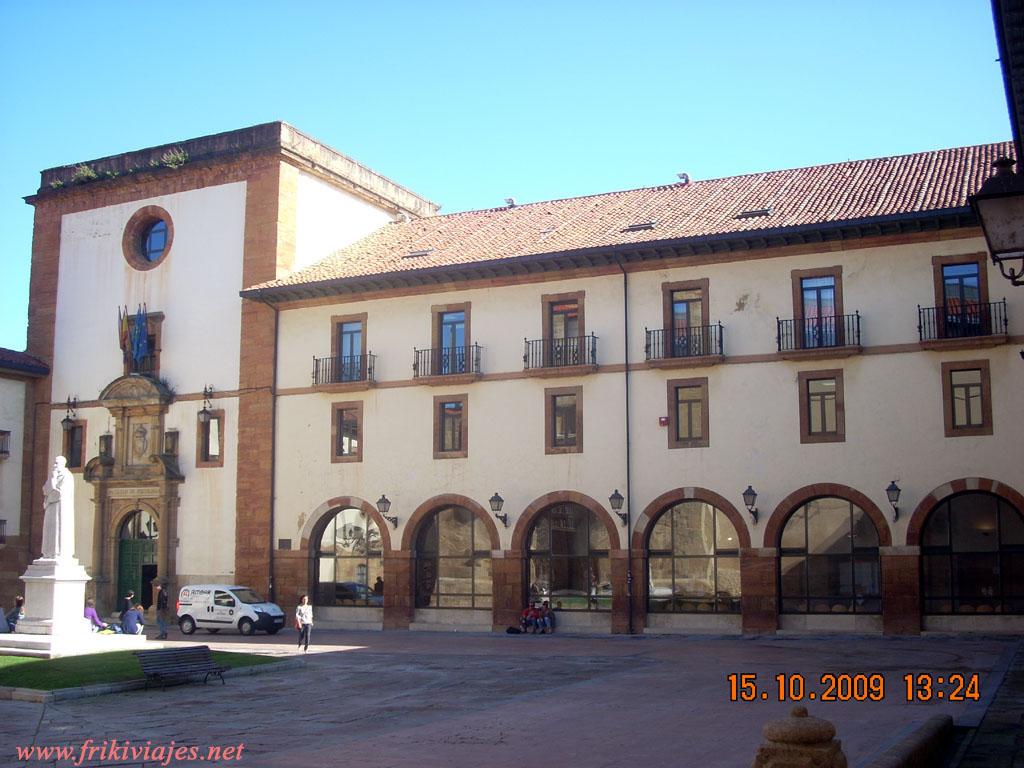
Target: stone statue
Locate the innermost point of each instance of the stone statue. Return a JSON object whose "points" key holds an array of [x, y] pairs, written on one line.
{"points": [[59, 512]]}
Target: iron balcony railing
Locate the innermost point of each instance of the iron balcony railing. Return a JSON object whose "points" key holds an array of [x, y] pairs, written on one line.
{"points": [[446, 361], [958, 320], [818, 332], [343, 369], [695, 341], [558, 353]]}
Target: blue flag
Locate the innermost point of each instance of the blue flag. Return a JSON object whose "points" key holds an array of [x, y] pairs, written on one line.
{"points": [[140, 336]]}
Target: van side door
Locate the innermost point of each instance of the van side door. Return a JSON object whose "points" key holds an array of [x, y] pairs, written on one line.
{"points": [[223, 608]]}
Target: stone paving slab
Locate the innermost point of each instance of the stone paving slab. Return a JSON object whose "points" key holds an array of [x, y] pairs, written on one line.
{"points": [[392, 699]]}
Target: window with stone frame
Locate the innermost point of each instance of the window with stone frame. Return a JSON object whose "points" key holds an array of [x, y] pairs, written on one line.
{"points": [[210, 440], [688, 420], [451, 427], [347, 432], [74, 445], [967, 398], [563, 417], [149, 363], [822, 410]]}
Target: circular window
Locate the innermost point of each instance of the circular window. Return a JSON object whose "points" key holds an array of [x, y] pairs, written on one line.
{"points": [[147, 237]]}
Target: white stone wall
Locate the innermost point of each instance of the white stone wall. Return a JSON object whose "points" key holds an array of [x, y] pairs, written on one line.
{"points": [[196, 287], [12, 419], [327, 218]]}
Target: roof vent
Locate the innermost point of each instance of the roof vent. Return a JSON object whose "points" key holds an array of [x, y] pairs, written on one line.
{"points": [[510, 202], [753, 213], [418, 254], [639, 226], [684, 178]]}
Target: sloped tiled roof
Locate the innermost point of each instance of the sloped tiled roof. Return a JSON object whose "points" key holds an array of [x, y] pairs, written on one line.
{"points": [[852, 191], [22, 362]]}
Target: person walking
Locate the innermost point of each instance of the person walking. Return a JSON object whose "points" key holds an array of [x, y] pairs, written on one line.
{"points": [[304, 621], [161, 610]]}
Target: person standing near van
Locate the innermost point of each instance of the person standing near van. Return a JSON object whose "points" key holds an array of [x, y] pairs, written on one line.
{"points": [[161, 611], [304, 621]]}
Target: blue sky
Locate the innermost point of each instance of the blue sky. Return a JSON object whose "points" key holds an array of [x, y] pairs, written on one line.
{"points": [[468, 103]]}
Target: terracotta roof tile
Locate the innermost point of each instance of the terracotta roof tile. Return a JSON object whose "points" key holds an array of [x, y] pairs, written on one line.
{"points": [[22, 362], [817, 195]]}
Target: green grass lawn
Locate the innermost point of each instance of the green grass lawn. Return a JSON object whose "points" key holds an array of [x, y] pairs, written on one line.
{"points": [[113, 667]]}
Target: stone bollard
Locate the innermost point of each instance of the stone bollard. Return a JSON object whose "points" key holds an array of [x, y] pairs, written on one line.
{"points": [[799, 741]]}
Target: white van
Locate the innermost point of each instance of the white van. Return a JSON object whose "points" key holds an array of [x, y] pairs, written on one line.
{"points": [[224, 606]]}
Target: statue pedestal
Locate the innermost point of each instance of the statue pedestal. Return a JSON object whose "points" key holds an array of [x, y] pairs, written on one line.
{"points": [[54, 598], [54, 624]]}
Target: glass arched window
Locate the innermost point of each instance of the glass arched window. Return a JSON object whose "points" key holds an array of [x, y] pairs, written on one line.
{"points": [[349, 561], [453, 561], [693, 562], [972, 556], [829, 560], [568, 559], [139, 525]]}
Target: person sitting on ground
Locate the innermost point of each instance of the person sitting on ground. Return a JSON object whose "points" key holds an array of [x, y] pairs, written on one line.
{"points": [[133, 624], [536, 620], [16, 614], [126, 604], [526, 619], [547, 619], [96, 624]]}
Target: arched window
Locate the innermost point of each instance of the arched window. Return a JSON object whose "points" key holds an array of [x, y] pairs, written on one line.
{"points": [[829, 559], [972, 556], [568, 559], [139, 525], [349, 562], [453, 561], [693, 561]]}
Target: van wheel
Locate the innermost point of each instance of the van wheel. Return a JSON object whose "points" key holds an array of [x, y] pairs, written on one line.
{"points": [[213, 630], [245, 626], [187, 625]]}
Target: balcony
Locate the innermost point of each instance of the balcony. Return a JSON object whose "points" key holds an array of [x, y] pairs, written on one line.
{"points": [[573, 356], [446, 365], [818, 337], [343, 373], [963, 325], [691, 347]]}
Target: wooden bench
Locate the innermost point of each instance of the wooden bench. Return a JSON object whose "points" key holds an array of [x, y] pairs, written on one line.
{"points": [[179, 664]]}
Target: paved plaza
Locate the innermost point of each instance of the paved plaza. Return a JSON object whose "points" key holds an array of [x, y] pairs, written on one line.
{"points": [[396, 699]]}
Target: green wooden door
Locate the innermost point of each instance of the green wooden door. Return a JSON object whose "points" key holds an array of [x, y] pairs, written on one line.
{"points": [[133, 554]]}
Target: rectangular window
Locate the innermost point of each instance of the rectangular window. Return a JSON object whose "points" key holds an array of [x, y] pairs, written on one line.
{"points": [[961, 296], [349, 346], [347, 432], [210, 440], [74, 445], [451, 340], [967, 398], [5, 442], [563, 329], [822, 413], [451, 424], [685, 318], [818, 307], [563, 415], [688, 419]]}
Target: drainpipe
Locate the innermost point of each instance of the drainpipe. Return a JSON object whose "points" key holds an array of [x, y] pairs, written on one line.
{"points": [[629, 484], [273, 456]]}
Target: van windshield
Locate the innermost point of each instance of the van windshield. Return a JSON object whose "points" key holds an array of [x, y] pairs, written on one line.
{"points": [[248, 597]]}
